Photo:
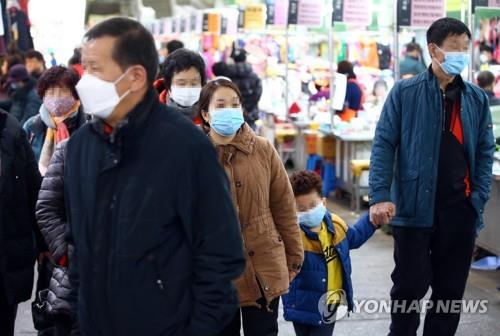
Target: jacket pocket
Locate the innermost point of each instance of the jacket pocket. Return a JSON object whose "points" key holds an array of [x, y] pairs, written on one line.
{"points": [[408, 194]]}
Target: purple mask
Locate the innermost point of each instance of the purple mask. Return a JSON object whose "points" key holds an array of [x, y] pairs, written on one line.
{"points": [[59, 106]]}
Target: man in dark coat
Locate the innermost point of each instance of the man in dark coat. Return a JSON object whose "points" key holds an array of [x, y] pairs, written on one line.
{"points": [[19, 185], [156, 238], [25, 100]]}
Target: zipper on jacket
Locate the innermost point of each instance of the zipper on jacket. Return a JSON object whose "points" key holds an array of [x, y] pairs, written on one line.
{"points": [[443, 106], [152, 259]]}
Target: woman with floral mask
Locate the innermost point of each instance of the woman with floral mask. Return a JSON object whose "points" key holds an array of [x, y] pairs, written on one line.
{"points": [[183, 77], [264, 201], [60, 114]]}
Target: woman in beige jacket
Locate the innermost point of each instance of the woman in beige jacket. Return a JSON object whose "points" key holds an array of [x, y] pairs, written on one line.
{"points": [[264, 200]]}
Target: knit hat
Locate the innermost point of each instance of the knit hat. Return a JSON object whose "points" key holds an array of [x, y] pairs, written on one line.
{"points": [[18, 73]]}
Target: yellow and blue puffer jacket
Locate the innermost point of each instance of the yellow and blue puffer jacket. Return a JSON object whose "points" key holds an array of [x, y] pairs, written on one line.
{"points": [[301, 303]]}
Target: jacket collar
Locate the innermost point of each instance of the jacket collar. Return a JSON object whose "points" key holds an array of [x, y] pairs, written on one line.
{"points": [[329, 225], [245, 140], [133, 122], [189, 111], [433, 83]]}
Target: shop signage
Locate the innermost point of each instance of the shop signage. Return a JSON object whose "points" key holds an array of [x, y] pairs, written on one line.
{"points": [[255, 17], [280, 12], [420, 13], [167, 23], [270, 14], [193, 18], [241, 18], [211, 23], [183, 24], [174, 25], [293, 12], [310, 13], [353, 12], [277, 12]]}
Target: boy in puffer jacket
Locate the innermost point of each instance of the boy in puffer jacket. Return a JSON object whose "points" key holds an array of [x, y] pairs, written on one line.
{"points": [[324, 282]]}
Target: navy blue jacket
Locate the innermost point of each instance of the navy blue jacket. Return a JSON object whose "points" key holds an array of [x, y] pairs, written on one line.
{"points": [[156, 239], [405, 153], [301, 303]]}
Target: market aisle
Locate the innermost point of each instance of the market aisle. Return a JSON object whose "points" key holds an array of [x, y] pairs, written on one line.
{"points": [[372, 265]]}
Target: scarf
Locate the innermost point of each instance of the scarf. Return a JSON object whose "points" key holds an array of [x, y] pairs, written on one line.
{"points": [[190, 112], [57, 131]]}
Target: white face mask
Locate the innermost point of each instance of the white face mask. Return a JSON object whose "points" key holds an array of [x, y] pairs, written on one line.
{"points": [[185, 97], [99, 97]]}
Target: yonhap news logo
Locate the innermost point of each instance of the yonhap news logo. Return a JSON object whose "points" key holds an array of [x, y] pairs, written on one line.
{"points": [[333, 306]]}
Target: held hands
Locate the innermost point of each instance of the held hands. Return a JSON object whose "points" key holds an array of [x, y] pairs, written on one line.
{"points": [[382, 213]]}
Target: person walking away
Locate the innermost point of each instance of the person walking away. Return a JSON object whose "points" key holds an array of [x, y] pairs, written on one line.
{"points": [[25, 100], [148, 203], [486, 81], [264, 201], [412, 64], [19, 185], [248, 82], [354, 98], [443, 123]]}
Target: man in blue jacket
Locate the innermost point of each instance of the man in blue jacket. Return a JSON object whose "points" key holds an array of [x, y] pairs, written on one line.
{"points": [[430, 178], [156, 238]]}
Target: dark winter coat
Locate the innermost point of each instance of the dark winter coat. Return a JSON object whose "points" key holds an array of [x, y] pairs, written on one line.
{"points": [[52, 220], [157, 240], [25, 102], [250, 86], [19, 185]]}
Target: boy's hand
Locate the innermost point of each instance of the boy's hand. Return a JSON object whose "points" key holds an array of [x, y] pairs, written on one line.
{"points": [[382, 213], [292, 275]]}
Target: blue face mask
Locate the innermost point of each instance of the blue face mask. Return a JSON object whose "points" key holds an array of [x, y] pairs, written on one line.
{"points": [[313, 217], [454, 62], [226, 121]]}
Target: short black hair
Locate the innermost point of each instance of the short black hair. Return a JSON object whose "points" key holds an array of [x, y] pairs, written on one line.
{"points": [[485, 79], [442, 28], [34, 54], [487, 48], [346, 68], [412, 46], [174, 45], [77, 57], [219, 69], [134, 44], [182, 60]]}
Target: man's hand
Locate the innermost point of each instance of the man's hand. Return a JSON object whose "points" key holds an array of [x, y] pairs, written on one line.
{"points": [[382, 213]]}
